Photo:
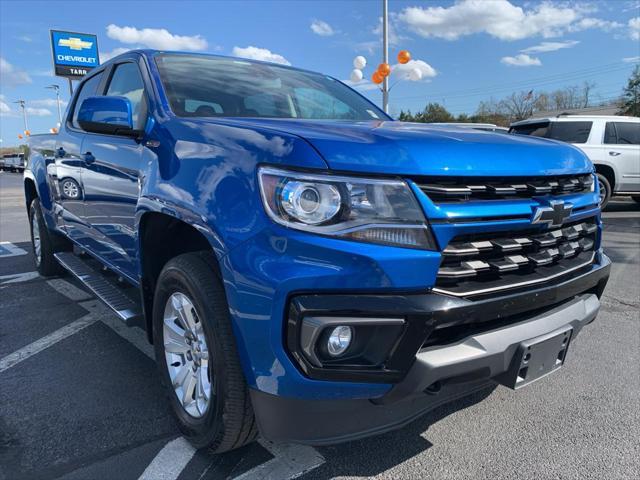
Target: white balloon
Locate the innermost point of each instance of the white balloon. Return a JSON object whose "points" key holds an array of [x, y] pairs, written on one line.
{"points": [[359, 62], [415, 74], [356, 75]]}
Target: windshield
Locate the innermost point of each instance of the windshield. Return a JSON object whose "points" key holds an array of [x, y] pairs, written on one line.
{"points": [[225, 87]]}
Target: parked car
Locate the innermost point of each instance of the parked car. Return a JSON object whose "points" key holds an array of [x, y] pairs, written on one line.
{"points": [[612, 143], [305, 266], [487, 127], [13, 162]]}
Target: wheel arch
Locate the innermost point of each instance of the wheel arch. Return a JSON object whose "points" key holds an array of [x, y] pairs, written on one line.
{"points": [[609, 173], [161, 237]]}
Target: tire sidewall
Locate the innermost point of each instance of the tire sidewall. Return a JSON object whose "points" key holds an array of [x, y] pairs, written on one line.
{"points": [[602, 181], [201, 431]]}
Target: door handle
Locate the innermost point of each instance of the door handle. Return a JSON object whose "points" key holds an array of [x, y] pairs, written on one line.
{"points": [[60, 152], [614, 154], [88, 157]]}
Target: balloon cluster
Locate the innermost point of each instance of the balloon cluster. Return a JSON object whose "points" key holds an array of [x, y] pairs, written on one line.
{"points": [[383, 70]]}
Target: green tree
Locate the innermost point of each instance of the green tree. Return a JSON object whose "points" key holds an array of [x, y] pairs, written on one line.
{"points": [[631, 94], [434, 112]]}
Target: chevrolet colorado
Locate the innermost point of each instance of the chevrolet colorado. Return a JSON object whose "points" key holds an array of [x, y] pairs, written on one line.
{"points": [[305, 266]]}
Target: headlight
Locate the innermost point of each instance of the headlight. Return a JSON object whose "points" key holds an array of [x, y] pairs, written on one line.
{"points": [[363, 209]]}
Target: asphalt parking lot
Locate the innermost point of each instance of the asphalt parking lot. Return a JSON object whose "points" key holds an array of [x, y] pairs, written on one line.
{"points": [[79, 397]]}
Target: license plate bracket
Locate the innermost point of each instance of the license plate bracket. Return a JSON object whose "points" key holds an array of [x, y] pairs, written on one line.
{"points": [[537, 358]]}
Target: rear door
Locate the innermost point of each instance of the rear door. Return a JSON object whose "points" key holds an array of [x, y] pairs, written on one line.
{"points": [[112, 178], [622, 147], [65, 170]]}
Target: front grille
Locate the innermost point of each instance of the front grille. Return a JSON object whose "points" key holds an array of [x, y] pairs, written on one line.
{"points": [[487, 188], [476, 264]]}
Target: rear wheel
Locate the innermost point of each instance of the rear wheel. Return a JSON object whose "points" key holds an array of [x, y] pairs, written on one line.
{"points": [[197, 357], [44, 242], [605, 190]]}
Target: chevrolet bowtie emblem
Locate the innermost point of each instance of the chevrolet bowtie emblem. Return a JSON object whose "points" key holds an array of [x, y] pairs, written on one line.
{"points": [[74, 43], [554, 215]]}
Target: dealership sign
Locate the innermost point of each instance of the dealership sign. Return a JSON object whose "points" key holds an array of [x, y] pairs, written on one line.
{"points": [[74, 54]]}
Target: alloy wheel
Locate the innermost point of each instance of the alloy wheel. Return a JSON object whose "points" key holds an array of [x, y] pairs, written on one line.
{"points": [[187, 355], [35, 232]]}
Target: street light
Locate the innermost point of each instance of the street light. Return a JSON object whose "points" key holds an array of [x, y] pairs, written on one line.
{"points": [[57, 89], [24, 115]]}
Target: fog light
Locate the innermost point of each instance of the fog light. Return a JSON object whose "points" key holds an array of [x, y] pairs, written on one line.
{"points": [[339, 340]]}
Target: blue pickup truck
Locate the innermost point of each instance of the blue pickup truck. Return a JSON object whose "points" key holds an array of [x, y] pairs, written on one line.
{"points": [[306, 267]]}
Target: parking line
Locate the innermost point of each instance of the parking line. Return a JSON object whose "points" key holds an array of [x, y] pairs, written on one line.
{"points": [[289, 461], [43, 343], [170, 461], [18, 277], [8, 249]]}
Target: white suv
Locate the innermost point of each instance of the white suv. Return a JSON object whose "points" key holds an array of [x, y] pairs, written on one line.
{"points": [[612, 143]]}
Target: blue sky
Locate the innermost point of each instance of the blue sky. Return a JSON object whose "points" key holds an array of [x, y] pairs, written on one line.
{"points": [[467, 50]]}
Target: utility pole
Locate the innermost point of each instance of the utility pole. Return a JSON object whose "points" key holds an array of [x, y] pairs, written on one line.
{"points": [[385, 54], [24, 114], [57, 89]]}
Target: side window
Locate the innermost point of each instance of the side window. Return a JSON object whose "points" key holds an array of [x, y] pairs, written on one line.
{"points": [[628, 133], [571, 132], [199, 108], [126, 81], [87, 89], [535, 129], [610, 134]]}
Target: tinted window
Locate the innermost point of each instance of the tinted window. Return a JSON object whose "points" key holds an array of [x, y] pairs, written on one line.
{"points": [[628, 133], [536, 129], [248, 89], [87, 89], [127, 82], [610, 133], [570, 132]]}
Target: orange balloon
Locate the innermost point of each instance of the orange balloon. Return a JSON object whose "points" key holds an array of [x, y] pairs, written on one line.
{"points": [[384, 69], [27, 133], [19, 136], [376, 77], [404, 56]]}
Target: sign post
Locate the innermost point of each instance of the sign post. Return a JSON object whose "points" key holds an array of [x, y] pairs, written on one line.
{"points": [[74, 54]]}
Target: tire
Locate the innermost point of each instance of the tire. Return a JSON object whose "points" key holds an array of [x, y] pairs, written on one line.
{"points": [[49, 242], [605, 191], [227, 422]]}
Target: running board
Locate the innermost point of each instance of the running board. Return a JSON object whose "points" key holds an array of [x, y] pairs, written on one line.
{"points": [[128, 311]]}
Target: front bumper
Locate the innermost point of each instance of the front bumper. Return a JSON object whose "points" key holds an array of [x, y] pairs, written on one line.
{"points": [[426, 377]]}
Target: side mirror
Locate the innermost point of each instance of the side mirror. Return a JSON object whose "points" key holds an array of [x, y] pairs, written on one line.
{"points": [[109, 115]]}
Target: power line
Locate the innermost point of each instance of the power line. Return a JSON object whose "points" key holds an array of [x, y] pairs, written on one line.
{"points": [[550, 79]]}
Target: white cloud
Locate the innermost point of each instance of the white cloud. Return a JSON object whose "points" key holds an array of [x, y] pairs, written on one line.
{"points": [[47, 102], [4, 108], [550, 46], [395, 38], [589, 22], [322, 28], [159, 38], [521, 60], [634, 28], [12, 76], [106, 56], [363, 85], [255, 53], [500, 19], [403, 70], [38, 112], [631, 60]]}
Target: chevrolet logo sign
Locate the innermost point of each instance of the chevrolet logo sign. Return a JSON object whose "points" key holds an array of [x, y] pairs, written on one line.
{"points": [[554, 215], [74, 43]]}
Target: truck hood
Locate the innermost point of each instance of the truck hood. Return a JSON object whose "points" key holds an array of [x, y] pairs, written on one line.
{"points": [[391, 147]]}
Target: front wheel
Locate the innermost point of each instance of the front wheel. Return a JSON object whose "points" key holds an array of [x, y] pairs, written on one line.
{"points": [[605, 190], [197, 357]]}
